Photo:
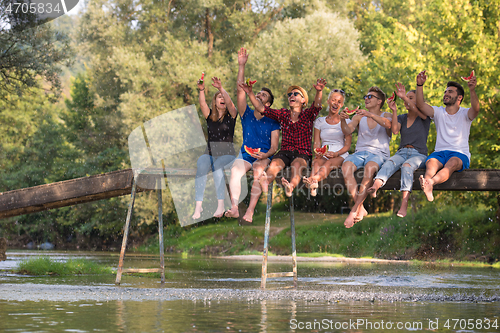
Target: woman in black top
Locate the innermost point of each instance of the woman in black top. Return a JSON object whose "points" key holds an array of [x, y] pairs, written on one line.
{"points": [[220, 153]]}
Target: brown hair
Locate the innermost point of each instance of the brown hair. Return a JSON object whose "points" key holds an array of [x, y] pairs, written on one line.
{"points": [[214, 114], [380, 94]]}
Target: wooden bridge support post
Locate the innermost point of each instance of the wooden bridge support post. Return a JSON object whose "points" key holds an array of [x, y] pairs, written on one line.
{"points": [[265, 274], [266, 236], [160, 229], [126, 228]]}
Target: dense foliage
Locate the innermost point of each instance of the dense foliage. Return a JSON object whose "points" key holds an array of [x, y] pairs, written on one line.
{"points": [[140, 59]]}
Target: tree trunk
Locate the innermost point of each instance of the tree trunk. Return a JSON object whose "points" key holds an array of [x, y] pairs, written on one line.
{"points": [[210, 34]]}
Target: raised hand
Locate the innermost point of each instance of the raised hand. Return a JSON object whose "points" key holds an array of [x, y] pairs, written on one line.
{"points": [[242, 56], [246, 88], [320, 84], [216, 83], [472, 83], [200, 84], [400, 90], [421, 78], [392, 106]]}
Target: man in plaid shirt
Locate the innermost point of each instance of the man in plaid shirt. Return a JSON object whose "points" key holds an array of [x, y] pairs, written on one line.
{"points": [[296, 130]]}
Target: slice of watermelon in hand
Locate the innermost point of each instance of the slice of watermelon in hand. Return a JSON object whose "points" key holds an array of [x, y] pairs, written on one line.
{"points": [[251, 151], [351, 112], [202, 77], [322, 150], [393, 97], [250, 82], [468, 78]]}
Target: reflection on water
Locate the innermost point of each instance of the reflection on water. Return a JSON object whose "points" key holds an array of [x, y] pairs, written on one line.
{"points": [[234, 316], [257, 315]]}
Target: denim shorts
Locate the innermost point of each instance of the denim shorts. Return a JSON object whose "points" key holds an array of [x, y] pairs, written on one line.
{"points": [[360, 158], [445, 155]]}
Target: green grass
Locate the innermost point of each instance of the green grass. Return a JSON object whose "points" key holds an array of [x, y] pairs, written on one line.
{"points": [[47, 266], [432, 233]]}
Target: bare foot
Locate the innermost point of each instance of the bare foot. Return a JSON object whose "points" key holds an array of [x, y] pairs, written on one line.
{"points": [[427, 187], [264, 184], [401, 212], [374, 188], [248, 217], [314, 189], [233, 212], [361, 213], [307, 181], [220, 209], [288, 187], [350, 221], [197, 214]]}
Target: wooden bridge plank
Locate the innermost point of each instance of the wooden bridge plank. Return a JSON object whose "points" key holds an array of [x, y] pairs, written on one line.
{"points": [[117, 183]]}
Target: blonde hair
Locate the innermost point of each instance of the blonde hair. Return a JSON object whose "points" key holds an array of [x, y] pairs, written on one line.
{"points": [[214, 115], [330, 95]]}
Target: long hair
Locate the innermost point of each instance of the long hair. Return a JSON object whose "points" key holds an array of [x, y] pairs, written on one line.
{"points": [[214, 115]]}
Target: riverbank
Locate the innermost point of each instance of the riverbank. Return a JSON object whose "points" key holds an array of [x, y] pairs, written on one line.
{"points": [[434, 233]]}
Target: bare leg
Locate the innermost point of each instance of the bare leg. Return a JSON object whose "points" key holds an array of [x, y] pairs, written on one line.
{"points": [[197, 210], [239, 169], [220, 208], [374, 188], [358, 211], [404, 204], [258, 169], [297, 167], [431, 168], [268, 177], [348, 169]]}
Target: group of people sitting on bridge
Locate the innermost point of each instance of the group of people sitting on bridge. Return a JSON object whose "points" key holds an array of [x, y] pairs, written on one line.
{"points": [[261, 126]]}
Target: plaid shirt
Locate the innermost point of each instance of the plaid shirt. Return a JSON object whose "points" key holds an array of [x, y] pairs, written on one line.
{"points": [[298, 135]]}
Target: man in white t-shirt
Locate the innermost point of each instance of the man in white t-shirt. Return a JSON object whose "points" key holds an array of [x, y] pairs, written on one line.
{"points": [[452, 132]]}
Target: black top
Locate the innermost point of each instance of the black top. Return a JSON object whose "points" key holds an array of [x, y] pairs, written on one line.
{"points": [[220, 136], [416, 135]]}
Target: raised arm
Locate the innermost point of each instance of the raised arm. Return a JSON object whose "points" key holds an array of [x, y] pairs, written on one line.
{"points": [[229, 103], [401, 92], [348, 128], [241, 98], [381, 120], [474, 100], [421, 105], [395, 125], [255, 102], [205, 110], [319, 86]]}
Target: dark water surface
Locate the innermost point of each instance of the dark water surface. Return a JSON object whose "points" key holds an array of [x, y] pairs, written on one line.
{"points": [[471, 298]]}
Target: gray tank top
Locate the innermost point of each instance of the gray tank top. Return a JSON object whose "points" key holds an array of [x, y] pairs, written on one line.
{"points": [[375, 141]]}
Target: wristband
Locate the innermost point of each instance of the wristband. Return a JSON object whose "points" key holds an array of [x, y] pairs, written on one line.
{"points": [[419, 85]]}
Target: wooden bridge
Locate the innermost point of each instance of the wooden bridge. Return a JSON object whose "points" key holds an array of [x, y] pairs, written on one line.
{"points": [[123, 182]]}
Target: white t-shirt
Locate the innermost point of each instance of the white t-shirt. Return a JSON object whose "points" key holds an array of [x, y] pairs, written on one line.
{"points": [[331, 135], [452, 130]]}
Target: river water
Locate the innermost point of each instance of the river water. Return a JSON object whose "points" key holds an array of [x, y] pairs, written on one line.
{"points": [[203, 294]]}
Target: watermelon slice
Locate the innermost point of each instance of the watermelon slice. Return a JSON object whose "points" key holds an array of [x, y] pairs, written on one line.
{"points": [[250, 82], [251, 151], [393, 97], [351, 112], [202, 77], [322, 150], [468, 78]]}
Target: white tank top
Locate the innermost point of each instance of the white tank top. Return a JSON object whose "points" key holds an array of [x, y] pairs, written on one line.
{"points": [[374, 140]]}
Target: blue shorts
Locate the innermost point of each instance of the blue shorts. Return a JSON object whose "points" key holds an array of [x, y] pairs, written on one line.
{"points": [[360, 159], [444, 156], [246, 157]]}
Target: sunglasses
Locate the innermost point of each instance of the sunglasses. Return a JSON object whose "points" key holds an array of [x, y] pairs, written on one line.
{"points": [[370, 97], [295, 93], [339, 90]]}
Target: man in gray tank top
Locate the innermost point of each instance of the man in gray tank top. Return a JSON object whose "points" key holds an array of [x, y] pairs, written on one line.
{"points": [[372, 149]]}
